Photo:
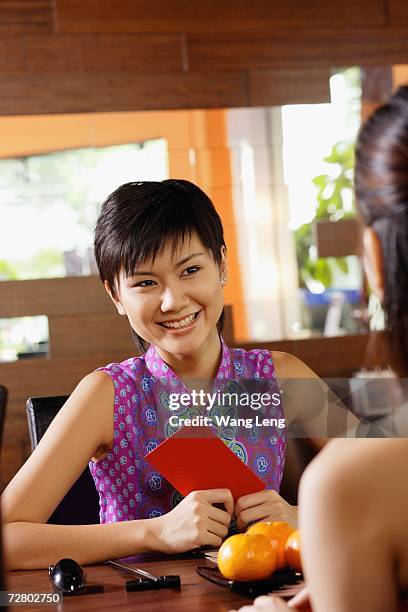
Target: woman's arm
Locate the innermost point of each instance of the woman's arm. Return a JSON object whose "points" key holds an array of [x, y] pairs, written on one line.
{"points": [[82, 426], [80, 430]]}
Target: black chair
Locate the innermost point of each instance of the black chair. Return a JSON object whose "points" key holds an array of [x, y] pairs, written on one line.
{"points": [[80, 505]]}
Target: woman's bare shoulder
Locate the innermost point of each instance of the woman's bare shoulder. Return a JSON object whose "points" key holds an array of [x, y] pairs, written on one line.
{"points": [[290, 366]]}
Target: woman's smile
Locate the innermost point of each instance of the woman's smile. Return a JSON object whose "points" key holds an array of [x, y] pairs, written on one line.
{"points": [[181, 325]]}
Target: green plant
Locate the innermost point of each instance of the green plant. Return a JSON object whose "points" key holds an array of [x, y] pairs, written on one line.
{"points": [[7, 270], [334, 202]]}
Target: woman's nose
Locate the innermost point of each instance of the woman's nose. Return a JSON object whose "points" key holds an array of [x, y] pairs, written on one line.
{"points": [[173, 299]]}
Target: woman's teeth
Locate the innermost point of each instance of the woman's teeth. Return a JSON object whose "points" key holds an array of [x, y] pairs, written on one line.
{"points": [[183, 323]]}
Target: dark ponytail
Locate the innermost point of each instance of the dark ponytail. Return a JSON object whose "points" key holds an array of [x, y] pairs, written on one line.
{"points": [[381, 185]]}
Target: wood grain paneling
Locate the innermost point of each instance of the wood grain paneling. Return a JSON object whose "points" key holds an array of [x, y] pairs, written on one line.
{"points": [[290, 48], [121, 92], [337, 239], [351, 352], [11, 57], [120, 16], [289, 86], [49, 55], [143, 53], [397, 13], [53, 296], [84, 335], [56, 376], [26, 17], [376, 84]]}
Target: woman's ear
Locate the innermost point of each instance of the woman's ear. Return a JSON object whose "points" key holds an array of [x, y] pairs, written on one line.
{"points": [[223, 266], [373, 261], [117, 303]]}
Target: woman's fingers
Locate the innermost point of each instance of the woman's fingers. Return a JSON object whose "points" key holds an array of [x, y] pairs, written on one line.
{"points": [[251, 500], [219, 515], [265, 505], [217, 496], [258, 513], [217, 528], [210, 539]]}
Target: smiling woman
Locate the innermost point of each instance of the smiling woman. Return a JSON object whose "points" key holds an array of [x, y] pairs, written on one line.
{"points": [[151, 226], [161, 255]]}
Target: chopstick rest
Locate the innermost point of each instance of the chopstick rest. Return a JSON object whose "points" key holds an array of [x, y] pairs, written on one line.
{"points": [[146, 580]]}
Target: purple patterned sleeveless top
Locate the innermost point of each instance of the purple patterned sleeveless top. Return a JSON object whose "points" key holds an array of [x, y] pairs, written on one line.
{"points": [[129, 488]]}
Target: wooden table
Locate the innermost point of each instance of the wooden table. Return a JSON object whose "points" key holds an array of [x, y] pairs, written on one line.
{"points": [[196, 594]]}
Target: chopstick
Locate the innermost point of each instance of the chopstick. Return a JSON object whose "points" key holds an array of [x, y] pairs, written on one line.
{"points": [[136, 571]]}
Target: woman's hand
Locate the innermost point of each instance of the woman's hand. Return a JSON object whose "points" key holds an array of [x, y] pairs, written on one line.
{"points": [[266, 603], [195, 521], [265, 505]]}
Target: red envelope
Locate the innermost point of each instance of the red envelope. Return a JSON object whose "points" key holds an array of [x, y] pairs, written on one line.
{"points": [[194, 458]]}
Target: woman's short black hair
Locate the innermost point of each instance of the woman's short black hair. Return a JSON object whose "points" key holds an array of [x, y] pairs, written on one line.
{"points": [[138, 220]]}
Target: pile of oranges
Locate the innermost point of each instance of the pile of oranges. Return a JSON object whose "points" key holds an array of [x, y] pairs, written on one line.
{"points": [[263, 549]]}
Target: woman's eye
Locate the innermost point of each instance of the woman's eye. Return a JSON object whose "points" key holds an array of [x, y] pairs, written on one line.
{"points": [[145, 283], [190, 270]]}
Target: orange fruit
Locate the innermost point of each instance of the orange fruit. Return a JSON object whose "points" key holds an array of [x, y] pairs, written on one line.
{"points": [[247, 557], [293, 550], [277, 531]]}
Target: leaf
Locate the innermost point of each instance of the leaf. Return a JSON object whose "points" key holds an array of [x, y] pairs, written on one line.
{"points": [[342, 263]]}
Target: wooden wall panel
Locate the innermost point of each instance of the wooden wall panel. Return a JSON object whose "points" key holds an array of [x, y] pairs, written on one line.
{"points": [[50, 55], [289, 86], [11, 56], [376, 84], [337, 239], [290, 48], [54, 296], [120, 16], [55, 376], [26, 17], [143, 53], [104, 92], [398, 13], [351, 353], [85, 335]]}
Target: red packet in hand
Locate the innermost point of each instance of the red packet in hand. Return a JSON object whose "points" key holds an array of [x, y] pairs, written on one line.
{"points": [[194, 458]]}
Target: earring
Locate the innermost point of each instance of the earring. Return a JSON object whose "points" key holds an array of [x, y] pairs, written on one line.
{"points": [[223, 280]]}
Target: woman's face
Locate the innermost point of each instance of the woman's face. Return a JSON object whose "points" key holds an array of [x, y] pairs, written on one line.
{"points": [[175, 302]]}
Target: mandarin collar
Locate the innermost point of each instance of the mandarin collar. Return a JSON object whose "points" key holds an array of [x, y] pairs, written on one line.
{"points": [[159, 369]]}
